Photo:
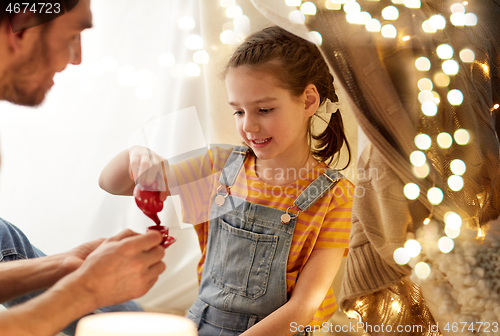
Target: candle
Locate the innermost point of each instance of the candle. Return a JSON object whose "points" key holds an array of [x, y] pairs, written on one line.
{"points": [[135, 324]]}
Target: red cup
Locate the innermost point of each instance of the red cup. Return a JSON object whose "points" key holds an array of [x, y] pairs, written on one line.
{"points": [[167, 240]]}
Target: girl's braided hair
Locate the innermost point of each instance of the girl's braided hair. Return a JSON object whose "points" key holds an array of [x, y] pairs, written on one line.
{"points": [[296, 63]]}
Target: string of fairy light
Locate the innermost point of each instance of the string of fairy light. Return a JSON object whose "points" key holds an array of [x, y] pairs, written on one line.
{"points": [[429, 99]]}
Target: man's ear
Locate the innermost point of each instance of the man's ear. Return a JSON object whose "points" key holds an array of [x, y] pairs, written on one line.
{"points": [[311, 96], [15, 29]]}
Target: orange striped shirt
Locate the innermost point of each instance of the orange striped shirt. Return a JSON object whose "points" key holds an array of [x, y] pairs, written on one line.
{"points": [[326, 224]]}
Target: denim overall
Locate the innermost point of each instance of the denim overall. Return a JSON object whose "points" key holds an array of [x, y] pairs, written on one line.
{"points": [[244, 276]]}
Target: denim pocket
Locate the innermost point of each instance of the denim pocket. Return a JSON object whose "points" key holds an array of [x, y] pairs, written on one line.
{"points": [[242, 260]]}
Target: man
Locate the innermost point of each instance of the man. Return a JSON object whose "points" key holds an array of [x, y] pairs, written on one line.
{"points": [[95, 274]]}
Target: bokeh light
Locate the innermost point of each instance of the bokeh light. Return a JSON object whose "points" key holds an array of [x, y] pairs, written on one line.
{"points": [[441, 79], [422, 270], [411, 191], [462, 136], [467, 56], [423, 141], [444, 51], [444, 140], [429, 108], [455, 182], [417, 158], [455, 97], [413, 247], [389, 31], [458, 167], [423, 64], [435, 195], [425, 84], [445, 244], [390, 13], [450, 67], [401, 257]]}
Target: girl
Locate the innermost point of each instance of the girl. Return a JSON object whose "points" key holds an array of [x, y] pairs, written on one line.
{"points": [[274, 220]]}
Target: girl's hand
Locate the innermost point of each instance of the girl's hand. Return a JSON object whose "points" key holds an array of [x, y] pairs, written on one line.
{"points": [[148, 169]]}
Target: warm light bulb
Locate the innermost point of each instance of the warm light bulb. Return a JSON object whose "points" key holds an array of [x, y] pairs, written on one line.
{"points": [[413, 247], [450, 67], [166, 60], [444, 51], [457, 8], [354, 17], [422, 63], [422, 171], [331, 5], [444, 140], [297, 17], [228, 37], [453, 220], [401, 256], [422, 270], [352, 6], [424, 96], [373, 25], [425, 84], [452, 233], [186, 22], [423, 141], [427, 27], [390, 13], [455, 97], [389, 31], [201, 57], [457, 19], [417, 158], [411, 191], [458, 167], [227, 3], [441, 79], [437, 21], [445, 244], [470, 19], [308, 8], [192, 69], [234, 11], [462, 136], [315, 37], [412, 3], [435, 195], [429, 108], [467, 56], [194, 42], [455, 182]]}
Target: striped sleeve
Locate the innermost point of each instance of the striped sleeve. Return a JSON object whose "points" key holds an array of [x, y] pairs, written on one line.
{"points": [[196, 179], [336, 226]]}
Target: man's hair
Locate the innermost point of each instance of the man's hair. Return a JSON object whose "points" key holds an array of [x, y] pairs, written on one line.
{"points": [[42, 12]]}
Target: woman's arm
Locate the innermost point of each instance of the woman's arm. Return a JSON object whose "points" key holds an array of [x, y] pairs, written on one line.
{"points": [[310, 290], [146, 167]]}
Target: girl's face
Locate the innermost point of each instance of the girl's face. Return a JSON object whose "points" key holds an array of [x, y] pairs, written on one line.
{"points": [[269, 119]]}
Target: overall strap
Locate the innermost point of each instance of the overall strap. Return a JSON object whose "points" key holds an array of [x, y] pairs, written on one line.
{"points": [[318, 188], [233, 165]]}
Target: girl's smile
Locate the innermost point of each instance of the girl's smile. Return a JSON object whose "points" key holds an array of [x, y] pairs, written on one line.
{"points": [[268, 118]]}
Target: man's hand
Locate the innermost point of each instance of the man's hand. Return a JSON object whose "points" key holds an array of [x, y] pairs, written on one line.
{"points": [[121, 268], [74, 258]]}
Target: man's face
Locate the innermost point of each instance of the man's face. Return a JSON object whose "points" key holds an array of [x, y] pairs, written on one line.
{"points": [[57, 45]]}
